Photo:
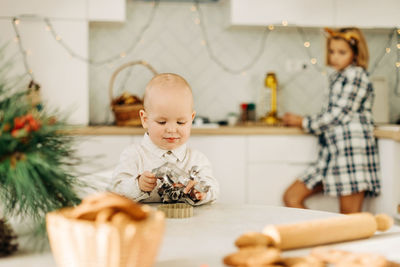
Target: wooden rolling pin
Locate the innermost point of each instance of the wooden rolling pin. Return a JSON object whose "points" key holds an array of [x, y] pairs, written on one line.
{"points": [[326, 231]]}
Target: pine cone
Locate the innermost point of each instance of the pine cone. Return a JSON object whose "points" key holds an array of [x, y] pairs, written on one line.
{"points": [[8, 239]]}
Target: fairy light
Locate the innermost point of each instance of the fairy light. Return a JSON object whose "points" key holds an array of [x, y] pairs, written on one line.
{"points": [[193, 8], [307, 44], [387, 50], [271, 27], [313, 61], [122, 55], [17, 21], [285, 23], [16, 39], [398, 31], [197, 21], [58, 37], [398, 64], [398, 46], [47, 28]]}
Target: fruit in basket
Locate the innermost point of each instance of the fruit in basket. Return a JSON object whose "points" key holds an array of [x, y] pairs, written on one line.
{"points": [[127, 99]]}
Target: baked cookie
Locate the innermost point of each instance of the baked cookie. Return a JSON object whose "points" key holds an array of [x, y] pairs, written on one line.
{"points": [[253, 256], [252, 239]]}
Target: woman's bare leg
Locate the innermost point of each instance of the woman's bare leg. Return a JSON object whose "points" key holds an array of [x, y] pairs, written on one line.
{"points": [[351, 203], [297, 193]]}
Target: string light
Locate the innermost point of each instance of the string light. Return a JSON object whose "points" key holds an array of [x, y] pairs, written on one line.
{"points": [[193, 8], [313, 61], [16, 39], [271, 27], [197, 21], [398, 64], [398, 46], [387, 50], [214, 58], [122, 54], [58, 38], [307, 44], [16, 21], [285, 23], [47, 28], [398, 31]]}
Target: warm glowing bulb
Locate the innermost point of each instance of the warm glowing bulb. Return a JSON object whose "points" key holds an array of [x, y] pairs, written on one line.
{"points": [[388, 50], [123, 54], [30, 71], [285, 22], [398, 46], [47, 28], [307, 44], [17, 21], [58, 37], [313, 61], [271, 27], [197, 21], [16, 39], [398, 31], [398, 64], [193, 8]]}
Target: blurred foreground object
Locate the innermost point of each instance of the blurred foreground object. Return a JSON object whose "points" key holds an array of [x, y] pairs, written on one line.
{"points": [[106, 230]]}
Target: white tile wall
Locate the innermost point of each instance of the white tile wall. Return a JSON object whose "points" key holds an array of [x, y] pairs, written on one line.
{"points": [[173, 43]]}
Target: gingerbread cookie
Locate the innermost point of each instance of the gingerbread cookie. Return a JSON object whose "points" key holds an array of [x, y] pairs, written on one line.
{"points": [[252, 239], [253, 256]]}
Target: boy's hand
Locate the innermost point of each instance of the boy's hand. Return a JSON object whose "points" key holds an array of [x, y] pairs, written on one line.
{"points": [[198, 195], [147, 181], [290, 119]]}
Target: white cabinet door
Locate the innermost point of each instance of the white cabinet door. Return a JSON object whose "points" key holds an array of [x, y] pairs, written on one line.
{"points": [[227, 155], [295, 12], [267, 181], [282, 148], [100, 153], [387, 202], [367, 13], [316, 13]]}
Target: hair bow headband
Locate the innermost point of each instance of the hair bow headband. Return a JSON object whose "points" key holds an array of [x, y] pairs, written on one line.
{"points": [[350, 37]]}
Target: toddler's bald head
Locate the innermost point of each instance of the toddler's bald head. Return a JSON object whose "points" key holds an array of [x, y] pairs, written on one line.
{"points": [[166, 83]]}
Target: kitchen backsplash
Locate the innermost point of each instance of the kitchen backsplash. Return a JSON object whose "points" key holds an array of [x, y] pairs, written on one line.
{"points": [[173, 41]]}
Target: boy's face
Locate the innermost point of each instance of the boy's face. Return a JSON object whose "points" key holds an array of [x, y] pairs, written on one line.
{"points": [[340, 54], [168, 117]]}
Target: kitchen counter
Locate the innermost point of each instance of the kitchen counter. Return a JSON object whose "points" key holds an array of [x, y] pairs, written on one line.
{"points": [[208, 236], [385, 131]]}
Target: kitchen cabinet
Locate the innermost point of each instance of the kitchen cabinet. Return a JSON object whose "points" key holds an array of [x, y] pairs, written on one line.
{"points": [[251, 168], [315, 13]]}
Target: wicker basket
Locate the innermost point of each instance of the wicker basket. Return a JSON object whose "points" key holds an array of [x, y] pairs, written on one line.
{"points": [[127, 114]]}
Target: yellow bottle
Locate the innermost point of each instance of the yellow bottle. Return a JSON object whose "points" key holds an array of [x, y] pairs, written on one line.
{"points": [[271, 83]]}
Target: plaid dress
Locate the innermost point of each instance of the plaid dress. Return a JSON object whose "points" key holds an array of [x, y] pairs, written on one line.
{"points": [[348, 160]]}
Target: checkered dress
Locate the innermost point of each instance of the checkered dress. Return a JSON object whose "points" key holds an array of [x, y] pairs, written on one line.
{"points": [[348, 160]]}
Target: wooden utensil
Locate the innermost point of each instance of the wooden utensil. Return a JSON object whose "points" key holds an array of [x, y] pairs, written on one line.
{"points": [[325, 231]]}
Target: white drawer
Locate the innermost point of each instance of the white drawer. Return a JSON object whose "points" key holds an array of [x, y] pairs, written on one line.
{"points": [[286, 148]]}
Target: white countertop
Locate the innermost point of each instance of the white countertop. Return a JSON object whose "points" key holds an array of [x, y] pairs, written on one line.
{"points": [[209, 235]]}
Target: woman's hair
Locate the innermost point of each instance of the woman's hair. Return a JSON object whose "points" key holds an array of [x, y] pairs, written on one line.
{"points": [[355, 38]]}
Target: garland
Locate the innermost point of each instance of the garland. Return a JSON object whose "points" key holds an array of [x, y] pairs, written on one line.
{"points": [[36, 158]]}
